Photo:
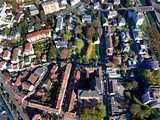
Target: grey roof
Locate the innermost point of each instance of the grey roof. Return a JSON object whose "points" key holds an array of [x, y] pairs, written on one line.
{"points": [[88, 93]]}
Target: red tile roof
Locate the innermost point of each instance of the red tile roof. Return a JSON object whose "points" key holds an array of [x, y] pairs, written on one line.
{"points": [[37, 33], [28, 47], [54, 69], [6, 53], [36, 117], [6, 76]]}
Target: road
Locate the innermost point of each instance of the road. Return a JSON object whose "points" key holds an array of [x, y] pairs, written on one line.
{"points": [[4, 105], [104, 60]]}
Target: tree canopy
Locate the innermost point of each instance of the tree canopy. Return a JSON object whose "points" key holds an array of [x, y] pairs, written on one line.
{"points": [[93, 113]]}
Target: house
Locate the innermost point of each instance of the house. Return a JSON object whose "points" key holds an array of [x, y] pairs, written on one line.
{"points": [[74, 2], [64, 2], [86, 19], [61, 44], [140, 19], [122, 22], [110, 43], [36, 117], [1, 49], [114, 73], [59, 23], [6, 76], [6, 54], [96, 5], [26, 86], [13, 67], [15, 55], [18, 17], [116, 2], [3, 65], [4, 21], [38, 35], [105, 23], [112, 14], [151, 97], [33, 10], [28, 49], [116, 87], [137, 35], [27, 60], [20, 78], [37, 75], [136, 17], [50, 7]]}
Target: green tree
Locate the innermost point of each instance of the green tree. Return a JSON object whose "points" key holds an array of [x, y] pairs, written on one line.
{"points": [[152, 77], [93, 113], [79, 44], [7, 31], [52, 53], [90, 32]]}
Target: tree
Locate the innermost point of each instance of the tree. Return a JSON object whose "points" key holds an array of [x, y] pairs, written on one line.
{"points": [[37, 23], [93, 113], [124, 68], [7, 31], [79, 44], [131, 85], [90, 32], [67, 35], [151, 77], [140, 110], [52, 53], [64, 53], [78, 30]]}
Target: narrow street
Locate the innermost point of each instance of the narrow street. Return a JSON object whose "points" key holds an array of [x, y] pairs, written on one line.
{"points": [[104, 60]]}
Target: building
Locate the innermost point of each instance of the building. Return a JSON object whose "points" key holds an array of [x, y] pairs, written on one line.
{"points": [[122, 22], [152, 96], [64, 2], [86, 19], [50, 7], [22, 1], [112, 14], [136, 17], [26, 86], [63, 87], [6, 54], [59, 23], [4, 22], [110, 44], [33, 10], [15, 55], [116, 2], [38, 35], [74, 2], [28, 49], [114, 73], [3, 65]]}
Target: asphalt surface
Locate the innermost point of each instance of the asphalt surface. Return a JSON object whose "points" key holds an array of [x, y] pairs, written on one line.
{"points": [[8, 115]]}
